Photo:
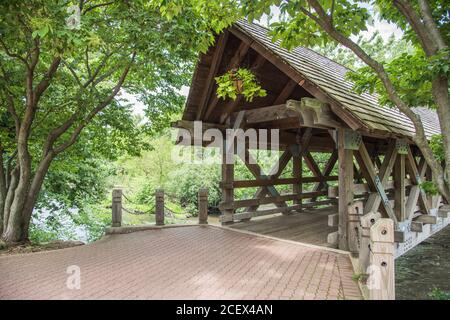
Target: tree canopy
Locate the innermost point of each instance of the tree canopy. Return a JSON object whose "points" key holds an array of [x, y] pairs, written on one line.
{"points": [[64, 66]]}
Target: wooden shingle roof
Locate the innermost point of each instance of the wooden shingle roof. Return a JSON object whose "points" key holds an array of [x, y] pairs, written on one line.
{"points": [[329, 76]]}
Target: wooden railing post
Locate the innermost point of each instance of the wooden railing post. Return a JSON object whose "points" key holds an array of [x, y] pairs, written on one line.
{"points": [[159, 207], [116, 207], [381, 282], [367, 221], [203, 206]]}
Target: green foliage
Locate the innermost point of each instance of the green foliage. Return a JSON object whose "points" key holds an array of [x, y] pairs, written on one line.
{"points": [[436, 144], [438, 294], [430, 188], [239, 81]]}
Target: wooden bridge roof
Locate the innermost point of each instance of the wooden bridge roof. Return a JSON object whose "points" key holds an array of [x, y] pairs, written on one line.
{"points": [[317, 73]]}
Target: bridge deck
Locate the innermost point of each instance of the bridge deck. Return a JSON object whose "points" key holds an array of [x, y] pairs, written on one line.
{"points": [[310, 226], [193, 262]]}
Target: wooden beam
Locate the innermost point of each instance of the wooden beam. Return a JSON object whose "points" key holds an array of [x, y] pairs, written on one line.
{"points": [[297, 171], [268, 200], [234, 62], [376, 183], [227, 177], [326, 171], [416, 177], [274, 173], [400, 188], [217, 57], [259, 175], [426, 219], [416, 226], [279, 181], [271, 113], [360, 189], [345, 157], [284, 159], [286, 92], [315, 113]]}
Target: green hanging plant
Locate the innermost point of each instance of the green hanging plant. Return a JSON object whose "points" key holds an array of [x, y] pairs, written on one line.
{"points": [[239, 81]]}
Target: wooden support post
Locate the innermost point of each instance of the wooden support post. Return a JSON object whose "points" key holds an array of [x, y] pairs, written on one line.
{"points": [[117, 207], [345, 157], [367, 221], [381, 282], [297, 171], [203, 206], [227, 180], [400, 188], [159, 207]]}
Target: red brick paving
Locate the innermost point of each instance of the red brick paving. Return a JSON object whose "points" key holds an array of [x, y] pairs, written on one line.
{"points": [[182, 263]]}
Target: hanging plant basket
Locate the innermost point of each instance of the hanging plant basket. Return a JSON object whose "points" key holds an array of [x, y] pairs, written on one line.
{"points": [[239, 82], [239, 85]]}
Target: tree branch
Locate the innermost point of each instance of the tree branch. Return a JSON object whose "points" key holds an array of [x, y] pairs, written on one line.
{"points": [[417, 25], [13, 55], [96, 110], [45, 82], [97, 6], [430, 24]]}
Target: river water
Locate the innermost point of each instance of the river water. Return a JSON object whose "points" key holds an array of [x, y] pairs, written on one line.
{"points": [[423, 268]]}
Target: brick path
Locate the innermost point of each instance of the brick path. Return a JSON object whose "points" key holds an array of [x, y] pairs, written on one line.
{"points": [[182, 263]]}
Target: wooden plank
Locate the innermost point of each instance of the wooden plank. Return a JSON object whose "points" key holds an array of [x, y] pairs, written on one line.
{"points": [[217, 57]]}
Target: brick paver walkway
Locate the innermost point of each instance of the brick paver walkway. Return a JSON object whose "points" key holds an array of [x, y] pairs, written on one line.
{"points": [[181, 263]]}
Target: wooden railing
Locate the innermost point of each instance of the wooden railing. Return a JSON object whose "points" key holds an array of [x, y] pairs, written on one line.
{"points": [[117, 207]]}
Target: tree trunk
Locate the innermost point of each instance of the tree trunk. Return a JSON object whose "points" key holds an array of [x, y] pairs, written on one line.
{"points": [[21, 201]]}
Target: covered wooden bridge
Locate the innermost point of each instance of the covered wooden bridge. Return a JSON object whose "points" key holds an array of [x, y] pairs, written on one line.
{"points": [[373, 168]]}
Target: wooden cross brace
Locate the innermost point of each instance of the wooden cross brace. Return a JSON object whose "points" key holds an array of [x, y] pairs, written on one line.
{"points": [[377, 183]]}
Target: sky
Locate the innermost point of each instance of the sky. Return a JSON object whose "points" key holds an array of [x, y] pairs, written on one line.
{"points": [[384, 28]]}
